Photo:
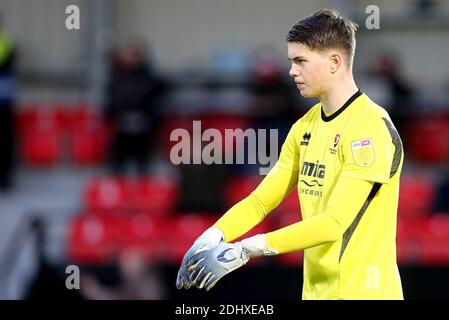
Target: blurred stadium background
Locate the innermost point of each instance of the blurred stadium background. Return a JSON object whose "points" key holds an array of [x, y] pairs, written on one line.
{"points": [[86, 115]]}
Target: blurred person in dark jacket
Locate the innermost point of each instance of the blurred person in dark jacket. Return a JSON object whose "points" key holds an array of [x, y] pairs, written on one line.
{"points": [[7, 93], [388, 68], [138, 280], [131, 109]]}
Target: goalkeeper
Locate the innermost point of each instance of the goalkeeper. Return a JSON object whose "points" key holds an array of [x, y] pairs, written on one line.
{"points": [[345, 159]]}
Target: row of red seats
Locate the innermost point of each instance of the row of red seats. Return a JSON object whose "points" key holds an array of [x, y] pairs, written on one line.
{"points": [[96, 238], [151, 201], [110, 194], [99, 238], [44, 131], [426, 139], [423, 239], [48, 135], [160, 195], [123, 212]]}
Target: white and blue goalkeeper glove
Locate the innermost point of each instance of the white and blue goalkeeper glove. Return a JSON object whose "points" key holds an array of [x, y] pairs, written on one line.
{"points": [[207, 267], [211, 238]]}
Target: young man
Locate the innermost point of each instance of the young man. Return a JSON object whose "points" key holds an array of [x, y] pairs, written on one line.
{"points": [[345, 158]]}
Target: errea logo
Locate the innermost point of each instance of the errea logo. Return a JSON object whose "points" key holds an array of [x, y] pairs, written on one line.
{"points": [[306, 138]]}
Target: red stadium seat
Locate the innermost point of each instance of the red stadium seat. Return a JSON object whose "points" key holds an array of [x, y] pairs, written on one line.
{"points": [[107, 194], [434, 239], [423, 239], [93, 239], [156, 195], [152, 195], [41, 147], [39, 116], [144, 233], [427, 139], [181, 231], [40, 133], [99, 238], [88, 136], [88, 147], [241, 187], [407, 241], [416, 195]]}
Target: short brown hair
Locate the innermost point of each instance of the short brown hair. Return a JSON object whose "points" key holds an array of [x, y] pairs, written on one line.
{"points": [[326, 29]]}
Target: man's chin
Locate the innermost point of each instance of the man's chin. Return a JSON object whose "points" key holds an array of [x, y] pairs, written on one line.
{"points": [[307, 95]]}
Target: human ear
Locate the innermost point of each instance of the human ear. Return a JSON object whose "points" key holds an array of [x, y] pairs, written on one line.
{"points": [[335, 61]]}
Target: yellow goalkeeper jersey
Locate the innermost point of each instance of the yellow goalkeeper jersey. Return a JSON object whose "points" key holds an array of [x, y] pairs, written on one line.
{"points": [[358, 141], [346, 167]]}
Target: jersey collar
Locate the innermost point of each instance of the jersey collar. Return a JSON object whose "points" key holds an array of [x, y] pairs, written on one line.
{"points": [[336, 113]]}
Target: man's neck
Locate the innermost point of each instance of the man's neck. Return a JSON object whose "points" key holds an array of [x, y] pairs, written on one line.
{"points": [[336, 97]]}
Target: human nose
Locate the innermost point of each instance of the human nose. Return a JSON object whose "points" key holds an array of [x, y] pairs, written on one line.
{"points": [[294, 72]]}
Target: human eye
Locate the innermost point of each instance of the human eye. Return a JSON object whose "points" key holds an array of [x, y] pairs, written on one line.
{"points": [[299, 60]]}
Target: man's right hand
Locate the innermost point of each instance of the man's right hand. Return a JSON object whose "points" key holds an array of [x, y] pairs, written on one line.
{"points": [[211, 238]]}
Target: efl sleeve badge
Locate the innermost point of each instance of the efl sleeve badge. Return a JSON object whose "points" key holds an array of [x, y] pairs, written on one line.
{"points": [[363, 152]]}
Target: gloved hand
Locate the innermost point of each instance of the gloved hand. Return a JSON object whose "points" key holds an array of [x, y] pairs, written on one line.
{"points": [[211, 238], [206, 268]]}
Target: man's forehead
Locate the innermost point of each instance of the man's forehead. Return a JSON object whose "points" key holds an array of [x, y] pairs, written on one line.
{"points": [[296, 49]]}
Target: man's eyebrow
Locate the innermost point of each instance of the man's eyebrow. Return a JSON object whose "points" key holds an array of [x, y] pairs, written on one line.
{"points": [[295, 58]]}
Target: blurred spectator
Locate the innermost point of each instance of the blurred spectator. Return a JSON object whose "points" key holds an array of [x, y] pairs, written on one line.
{"points": [[274, 105], [202, 187], [426, 7], [386, 66], [274, 99], [132, 102], [137, 281], [441, 200], [7, 94]]}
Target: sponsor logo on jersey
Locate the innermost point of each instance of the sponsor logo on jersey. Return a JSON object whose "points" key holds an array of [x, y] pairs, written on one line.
{"points": [[311, 192], [361, 143], [315, 170], [306, 138]]}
